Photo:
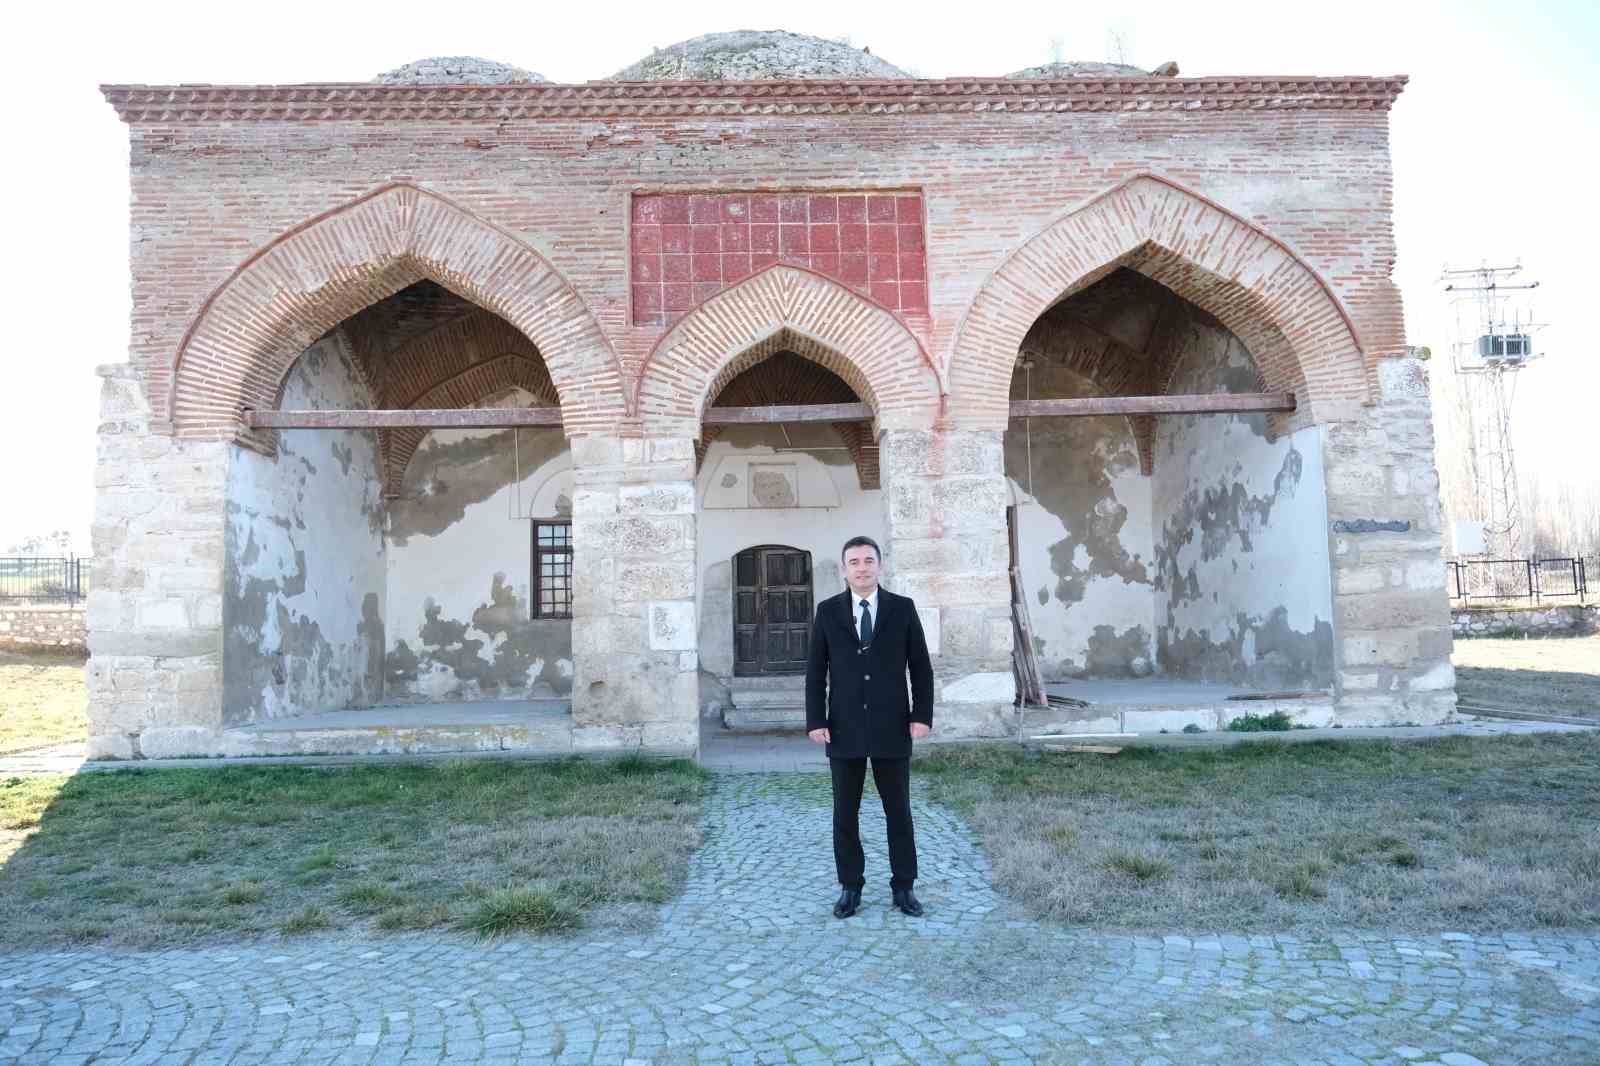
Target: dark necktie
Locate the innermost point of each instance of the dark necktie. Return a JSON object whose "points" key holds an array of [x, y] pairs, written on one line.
{"points": [[866, 624]]}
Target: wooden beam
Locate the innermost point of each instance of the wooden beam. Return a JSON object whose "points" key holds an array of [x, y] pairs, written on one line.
{"points": [[1207, 403], [418, 418], [504, 417], [798, 412]]}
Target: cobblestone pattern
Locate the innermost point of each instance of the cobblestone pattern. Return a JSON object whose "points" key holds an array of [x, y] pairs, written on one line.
{"points": [[746, 966]]}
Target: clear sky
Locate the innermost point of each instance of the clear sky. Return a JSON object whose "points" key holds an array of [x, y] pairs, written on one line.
{"points": [[1495, 151]]}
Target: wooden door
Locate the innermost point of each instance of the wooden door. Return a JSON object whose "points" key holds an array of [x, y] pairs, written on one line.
{"points": [[771, 610]]}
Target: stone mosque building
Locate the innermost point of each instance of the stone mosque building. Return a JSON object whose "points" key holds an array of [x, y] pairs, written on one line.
{"points": [[466, 410]]}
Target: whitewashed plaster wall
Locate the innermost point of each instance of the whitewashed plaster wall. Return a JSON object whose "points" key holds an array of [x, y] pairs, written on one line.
{"points": [[793, 485], [460, 568], [1084, 537], [1243, 585], [303, 580]]}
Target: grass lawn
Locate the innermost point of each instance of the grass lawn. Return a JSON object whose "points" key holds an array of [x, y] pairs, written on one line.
{"points": [[1450, 834], [42, 701], [1560, 675], [150, 857]]}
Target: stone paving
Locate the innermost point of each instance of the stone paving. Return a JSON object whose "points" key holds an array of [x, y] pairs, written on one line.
{"points": [[747, 966]]}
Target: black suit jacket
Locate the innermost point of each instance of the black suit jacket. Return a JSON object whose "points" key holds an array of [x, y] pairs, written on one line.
{"points": [[859, 694]]}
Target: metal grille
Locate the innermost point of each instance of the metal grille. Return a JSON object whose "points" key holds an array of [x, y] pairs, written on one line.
{"points": [[43, 580], [1512, 580], [552, 569]]}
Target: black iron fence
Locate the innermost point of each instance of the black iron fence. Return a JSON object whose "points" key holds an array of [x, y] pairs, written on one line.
{"points": [[42, 580], [1516, 580]]}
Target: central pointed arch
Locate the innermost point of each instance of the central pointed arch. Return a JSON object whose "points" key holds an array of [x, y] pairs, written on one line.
{"points": [[1301, 336], [787, 308], [291, 292]]}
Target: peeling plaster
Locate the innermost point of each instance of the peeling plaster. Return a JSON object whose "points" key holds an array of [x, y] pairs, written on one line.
{"points": [[302, 604], [502, 653], [1084, 534], [1242, 578], [460, 569]]}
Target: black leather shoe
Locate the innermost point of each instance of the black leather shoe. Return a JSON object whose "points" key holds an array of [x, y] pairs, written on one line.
{"points": [[906, 903], [848, 903]]}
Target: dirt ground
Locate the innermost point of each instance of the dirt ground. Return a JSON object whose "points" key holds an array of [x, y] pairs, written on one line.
{"points": [[1559, 675]]}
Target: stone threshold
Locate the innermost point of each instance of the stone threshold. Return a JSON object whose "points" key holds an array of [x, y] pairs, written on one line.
{"points": [[526, 726], [1154, 705]]}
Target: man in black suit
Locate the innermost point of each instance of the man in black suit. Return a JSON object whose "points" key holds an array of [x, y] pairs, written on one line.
{"points": [[864, 642]]}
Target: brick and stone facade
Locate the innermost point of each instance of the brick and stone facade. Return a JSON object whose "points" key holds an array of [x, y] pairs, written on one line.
{"points": [[594, 248]]}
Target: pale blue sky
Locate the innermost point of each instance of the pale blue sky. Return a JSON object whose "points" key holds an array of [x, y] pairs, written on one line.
{"points": [[1494, 151]]}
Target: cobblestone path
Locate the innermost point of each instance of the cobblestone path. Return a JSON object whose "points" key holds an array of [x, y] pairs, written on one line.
{"points": [[747, 966]]}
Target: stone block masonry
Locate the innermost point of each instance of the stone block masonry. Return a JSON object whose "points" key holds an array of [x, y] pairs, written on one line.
{"points": [[50, 626], [1391, 622], [1549, 620]]}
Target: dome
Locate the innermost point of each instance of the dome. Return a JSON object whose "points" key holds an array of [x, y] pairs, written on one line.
{"points": [[456, 70], [757, 55], [1082, 70]]}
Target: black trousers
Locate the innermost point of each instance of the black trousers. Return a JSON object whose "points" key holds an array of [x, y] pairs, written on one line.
{"points": [[893, 778]]}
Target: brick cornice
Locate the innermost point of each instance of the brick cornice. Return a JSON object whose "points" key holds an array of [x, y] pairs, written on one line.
{"points": [[137, 104]]}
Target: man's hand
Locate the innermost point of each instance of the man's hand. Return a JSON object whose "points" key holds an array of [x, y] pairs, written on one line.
{"points": [[821, 736], [920, 730]]}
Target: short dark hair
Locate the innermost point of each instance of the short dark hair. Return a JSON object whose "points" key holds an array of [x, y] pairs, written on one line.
{"points": [[859, 542]]}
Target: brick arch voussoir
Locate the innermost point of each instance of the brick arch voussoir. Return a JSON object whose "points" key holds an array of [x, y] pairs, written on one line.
{"points": [[787, 308], [1250, 280], [280, 300], [465, 389]]}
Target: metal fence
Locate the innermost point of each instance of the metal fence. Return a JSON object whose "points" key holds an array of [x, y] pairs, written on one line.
{"points": [[37, 579], [1516, 580]]}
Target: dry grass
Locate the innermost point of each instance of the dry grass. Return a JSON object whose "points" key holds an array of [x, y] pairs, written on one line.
{"points": [[1559, 675], [42, 701], [145, 857], [1455, 833]]}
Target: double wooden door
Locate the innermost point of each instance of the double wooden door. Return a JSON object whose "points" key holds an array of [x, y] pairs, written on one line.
{"points": [[771, 610]]}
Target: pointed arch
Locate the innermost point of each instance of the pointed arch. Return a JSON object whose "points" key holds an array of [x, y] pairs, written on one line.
{"points": [[787, 308], [280, 300], [1303, 339]]}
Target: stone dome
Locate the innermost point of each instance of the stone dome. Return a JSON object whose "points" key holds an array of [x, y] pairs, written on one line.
{"points": [[757, 55], [1081, 70], [456, 70]]}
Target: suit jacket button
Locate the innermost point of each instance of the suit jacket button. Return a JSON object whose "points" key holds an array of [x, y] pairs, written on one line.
{"points": [[866, 677]]}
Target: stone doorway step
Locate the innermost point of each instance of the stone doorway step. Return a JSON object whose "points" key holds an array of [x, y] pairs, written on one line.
{"points": [[524, 726], [772, 704]]}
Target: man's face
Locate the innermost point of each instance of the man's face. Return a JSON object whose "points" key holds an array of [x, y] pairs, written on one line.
{"points": [[861, 569]]}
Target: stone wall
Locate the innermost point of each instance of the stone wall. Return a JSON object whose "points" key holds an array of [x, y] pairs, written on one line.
{"points": [[155, 612], [303, 566], [636, 670], [27, 626], [460, 621], [944, 496], [1391, 621], [1566, 619]]}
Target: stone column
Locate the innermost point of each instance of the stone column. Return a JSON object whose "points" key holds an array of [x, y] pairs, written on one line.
{"points": [[155, 601], [944, 497], [1391, 616], [634, 638]]}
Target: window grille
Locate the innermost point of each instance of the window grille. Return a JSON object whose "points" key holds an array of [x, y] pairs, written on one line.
{"points": [[552, 569]]}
